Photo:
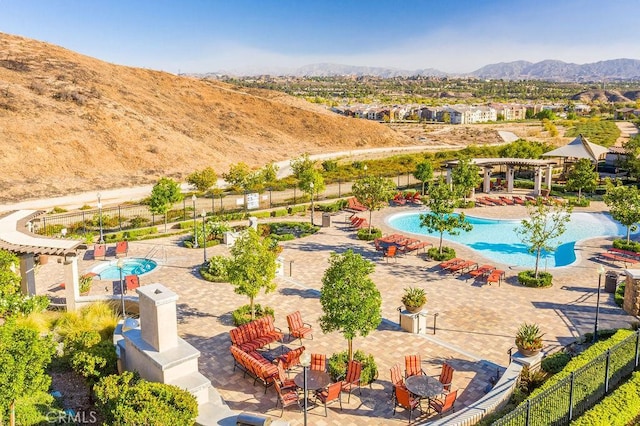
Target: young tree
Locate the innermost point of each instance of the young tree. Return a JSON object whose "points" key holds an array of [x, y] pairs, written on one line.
{"points": [[165, 193], [440, 218], [350, 300], [582, 176], [302, 164], [424, 173], [624, 204], [373, 192], [465, 177], [632, 159], [252, 266], [545, 224], [24, 356], [238, 176], [203, 179], [269, 173]]}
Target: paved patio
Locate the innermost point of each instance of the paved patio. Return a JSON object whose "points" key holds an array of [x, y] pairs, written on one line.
{"points": [[476, 322]]}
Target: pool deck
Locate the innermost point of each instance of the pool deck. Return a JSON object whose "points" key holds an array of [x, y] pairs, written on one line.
{"points": [[476, 322]]}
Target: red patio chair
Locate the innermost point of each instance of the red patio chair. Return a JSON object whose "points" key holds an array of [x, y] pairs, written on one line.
{"points": [[352, 379], [286, 397], [329, 395], [413, 365], [446, 376], [406, 401], [284, 382], [441, 406], [318, 362], [297, 328], [396, 379], [291, 359], [495, 276]]}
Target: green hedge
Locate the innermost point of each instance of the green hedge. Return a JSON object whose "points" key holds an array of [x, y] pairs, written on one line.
{"points": [[364, 235], [528, 279], [448, 253], [132, 235], [242, 315], [586, 384], [619, 408], [127, 399], [624, 245]]}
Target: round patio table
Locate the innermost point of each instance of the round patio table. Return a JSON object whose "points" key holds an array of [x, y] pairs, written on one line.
{"points": [[424, 386], [315, 380]]}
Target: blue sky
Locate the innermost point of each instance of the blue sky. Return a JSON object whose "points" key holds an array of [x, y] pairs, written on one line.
{"points": [[269, 35]]}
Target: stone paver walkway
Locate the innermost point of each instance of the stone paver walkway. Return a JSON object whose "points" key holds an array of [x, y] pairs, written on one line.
{"points": [[476, 322]]}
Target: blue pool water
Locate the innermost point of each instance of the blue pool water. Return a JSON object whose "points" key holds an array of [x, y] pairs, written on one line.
{"points": [[131, 266], [497, 240]]}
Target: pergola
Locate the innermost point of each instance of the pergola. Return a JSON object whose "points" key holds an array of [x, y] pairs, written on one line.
{"points": [[16, 236], [541, 167]]}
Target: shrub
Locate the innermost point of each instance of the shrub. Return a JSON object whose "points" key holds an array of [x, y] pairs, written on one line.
{"points": [[127, 399], [215, 269], [363, 234], [242, 315], [583, 202], [85, 283], [337, 366], [531, 380], [555, 362], [279, 213], [132, 235], [528, 279], [447, 253], [624, 245]]}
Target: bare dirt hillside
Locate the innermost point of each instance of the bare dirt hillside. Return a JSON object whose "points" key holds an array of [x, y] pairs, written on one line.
{"points": [[71, 123]]}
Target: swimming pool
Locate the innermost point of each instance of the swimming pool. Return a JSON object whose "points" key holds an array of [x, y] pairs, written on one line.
{"points": [[130, 266], [497, 240]]}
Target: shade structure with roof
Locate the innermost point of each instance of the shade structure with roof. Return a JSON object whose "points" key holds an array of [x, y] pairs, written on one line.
{"points": [[16, 237], [579, 148]]}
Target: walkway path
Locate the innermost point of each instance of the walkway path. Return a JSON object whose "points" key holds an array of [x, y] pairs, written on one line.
{"points": [[475, 326]]}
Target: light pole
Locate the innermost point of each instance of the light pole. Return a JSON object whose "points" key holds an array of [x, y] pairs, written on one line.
{"points": [[204, 235], [312, 209], [120, 264], [595, 326], [101, 240], [63, 232], [365, 170], [195, 224], [305, 361]]}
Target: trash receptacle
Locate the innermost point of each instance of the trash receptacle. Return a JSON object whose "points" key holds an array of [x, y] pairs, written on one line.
{"points": [[610, 281], [326, 220]]}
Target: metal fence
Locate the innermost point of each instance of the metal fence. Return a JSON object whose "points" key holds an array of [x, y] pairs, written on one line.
{"points": [[129, 216], [572, 396]]}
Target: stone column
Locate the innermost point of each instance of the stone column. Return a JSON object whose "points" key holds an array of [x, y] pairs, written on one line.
{"points": [[549, 175], [537, 181], [158, 316], [510, 178], [449, 179], [27, 275], [71, 282], [487, 180], [631, 304]]}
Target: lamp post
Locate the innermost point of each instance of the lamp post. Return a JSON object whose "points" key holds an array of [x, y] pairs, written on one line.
{"points": [[305, 361], [365, 170], [312, 209], [595, 326], [120, 264], [195, 224], [101, 240], [204, 235], [63, 232]]}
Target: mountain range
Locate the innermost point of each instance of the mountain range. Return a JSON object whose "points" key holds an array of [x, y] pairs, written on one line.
{"points": [[550, 70]]}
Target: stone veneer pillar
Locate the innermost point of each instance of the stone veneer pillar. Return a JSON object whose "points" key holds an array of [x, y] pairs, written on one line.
{"points": [[158, 316], [631, 304], [27, 275], [71, 282]]}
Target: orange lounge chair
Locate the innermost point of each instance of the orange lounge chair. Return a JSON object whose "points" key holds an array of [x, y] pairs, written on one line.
{"points": [[481, 271], [122, 248], [518, 200], [354, 204], [447, 263], [390, 253], [132, 282], [495, 276], [461, 266], [99, 251], [508, 201]]}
